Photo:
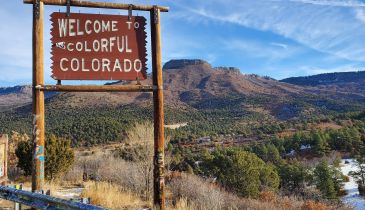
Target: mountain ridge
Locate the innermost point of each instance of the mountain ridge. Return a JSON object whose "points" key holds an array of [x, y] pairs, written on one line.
{"points": [[209, 100], [195, 84]]}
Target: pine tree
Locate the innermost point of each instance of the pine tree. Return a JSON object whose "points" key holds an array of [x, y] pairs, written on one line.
{"points": [[320, 145], [24, 155], [324, 180], [293, 175], [273, 154], [59, 156], [241, 171]]}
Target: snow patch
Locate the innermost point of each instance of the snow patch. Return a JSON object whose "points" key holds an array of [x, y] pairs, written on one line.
{"points": [[353, 197]]}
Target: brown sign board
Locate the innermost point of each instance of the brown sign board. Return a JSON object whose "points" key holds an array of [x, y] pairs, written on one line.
{"points": [[98, 47]]}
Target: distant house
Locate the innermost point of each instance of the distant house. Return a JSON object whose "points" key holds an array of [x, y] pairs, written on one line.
{"points": [[302, 148], [305, 147], [205, 139]]}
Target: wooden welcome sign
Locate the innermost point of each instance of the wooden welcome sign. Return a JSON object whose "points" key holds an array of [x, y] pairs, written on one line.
{"points": [[98, 47]]}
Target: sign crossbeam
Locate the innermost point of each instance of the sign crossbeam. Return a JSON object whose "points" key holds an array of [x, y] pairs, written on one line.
{"points": [[106, 5], [97, 88]]}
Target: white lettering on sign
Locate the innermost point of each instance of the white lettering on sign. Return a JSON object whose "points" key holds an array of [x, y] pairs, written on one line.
{"points": [[104, 44], [104, 65], [111, 44], [62, 27], [72, 27]]}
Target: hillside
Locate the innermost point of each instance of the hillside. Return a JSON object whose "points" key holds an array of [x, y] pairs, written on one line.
{"points": [[211, 100], [15, 96], [196, 84], [341, 82]]}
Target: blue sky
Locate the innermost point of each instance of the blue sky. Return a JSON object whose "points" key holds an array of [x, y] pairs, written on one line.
{"points": [[277, 38]]}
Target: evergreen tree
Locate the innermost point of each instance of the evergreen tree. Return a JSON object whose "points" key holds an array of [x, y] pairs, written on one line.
{"points": [[59, 156], [320, 145], [324, 180], [261, 151], [273, 154], [25, 157], [241, 171], [293, 176], [296, 142]]}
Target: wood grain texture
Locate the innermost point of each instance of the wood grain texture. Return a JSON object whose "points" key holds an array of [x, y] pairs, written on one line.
{"points": [[38, 99], [97, 88], [106, 5], [158, 103]]}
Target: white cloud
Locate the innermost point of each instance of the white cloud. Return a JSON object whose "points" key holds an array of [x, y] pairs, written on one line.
{"points": [[326, 26], [337, 3], [360, 14], [311, 70], [281, 45], [255, 49]]}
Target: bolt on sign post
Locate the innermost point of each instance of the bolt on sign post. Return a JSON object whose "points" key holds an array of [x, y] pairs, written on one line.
{"points": [[97, 47]]}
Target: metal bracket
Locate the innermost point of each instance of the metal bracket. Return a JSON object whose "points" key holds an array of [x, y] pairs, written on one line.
{"points": [[68, 8], [156, 87], [155, 10], [36, 8], [37, 87], [130, 8]]}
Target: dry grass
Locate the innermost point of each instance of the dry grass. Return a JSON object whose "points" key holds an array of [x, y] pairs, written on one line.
{"points": [[121, 186], [324, 126], [111, 196], [5, 204], [205, 195], [107, 168], [183, 204]]}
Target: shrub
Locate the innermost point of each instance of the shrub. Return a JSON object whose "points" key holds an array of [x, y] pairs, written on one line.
{"points": [[267, 196], [24, 155], [192, 192], [311, 205], [241, 171], [59, 156]]}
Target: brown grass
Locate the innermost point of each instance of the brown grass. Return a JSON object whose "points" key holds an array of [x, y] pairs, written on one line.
{"points": [[324, 126], [111, 196], [311, 205], [121, 185]]}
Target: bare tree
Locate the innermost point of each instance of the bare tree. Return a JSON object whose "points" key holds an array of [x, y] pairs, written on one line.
{"points": [[140, 140]]}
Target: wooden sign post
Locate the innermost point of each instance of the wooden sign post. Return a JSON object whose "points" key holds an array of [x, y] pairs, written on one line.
{"points": [[3, 159], [158, 112], [78, 52], [38, 132]]}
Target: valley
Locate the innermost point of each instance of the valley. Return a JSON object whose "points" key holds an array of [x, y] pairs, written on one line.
{"points": [[214, 116]]}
